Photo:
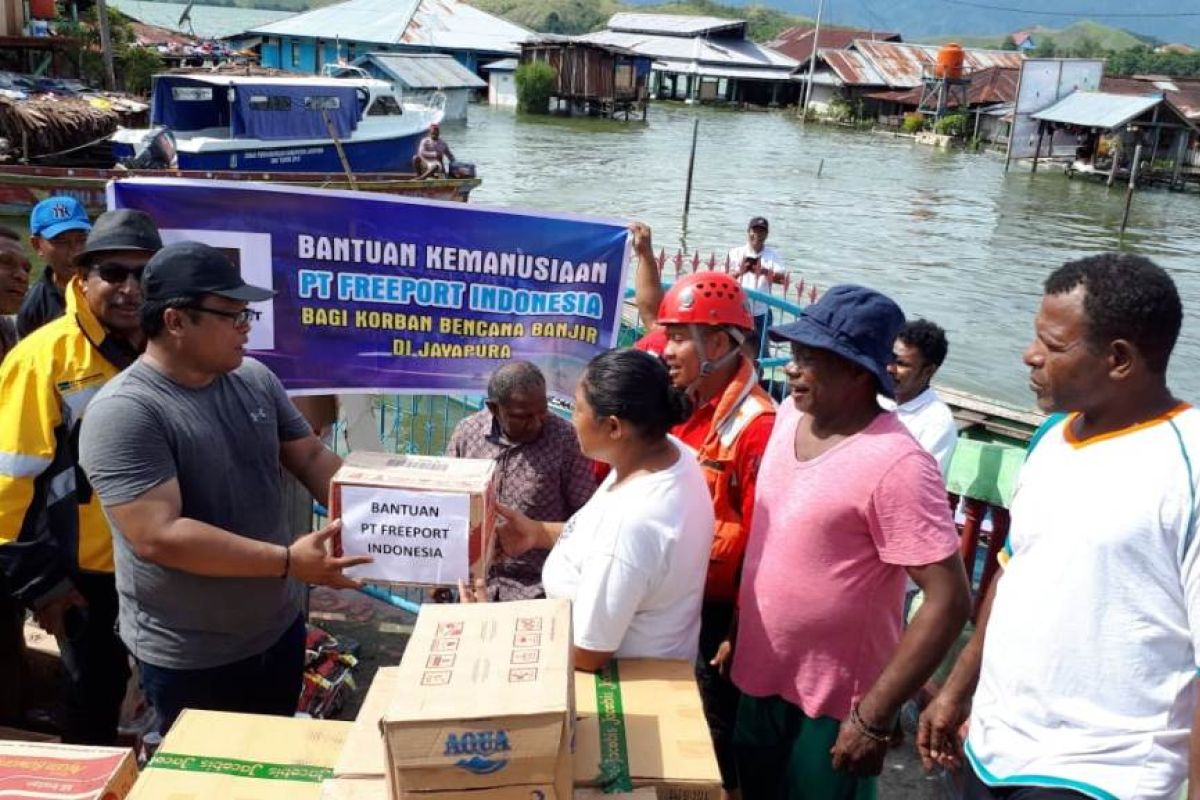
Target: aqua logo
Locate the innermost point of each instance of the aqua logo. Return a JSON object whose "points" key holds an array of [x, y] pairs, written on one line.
{"points": [[476, 747]]}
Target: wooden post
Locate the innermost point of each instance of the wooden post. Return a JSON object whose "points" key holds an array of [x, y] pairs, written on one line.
{"points": [[1038, 151], [812, 61], [1133, 176], [337, 145], [1180, 151], [687, 195], [110, 79]]}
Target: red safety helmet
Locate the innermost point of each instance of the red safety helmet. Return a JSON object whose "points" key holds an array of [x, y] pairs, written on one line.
{"points": [[706, 298]]}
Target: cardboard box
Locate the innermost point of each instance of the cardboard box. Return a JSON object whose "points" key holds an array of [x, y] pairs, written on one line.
{"points": [[484, 701], [354, 789], [42, 770], [376, 789], [652, 725], [212, 754], [8, 734], [426, 520], [363, 754]]}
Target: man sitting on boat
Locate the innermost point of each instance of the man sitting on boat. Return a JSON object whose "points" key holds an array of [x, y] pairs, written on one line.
{"points": [[433, 155]]}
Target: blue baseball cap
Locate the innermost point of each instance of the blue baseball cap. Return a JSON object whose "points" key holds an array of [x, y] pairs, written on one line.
{"points": [[854, 322], [56, 215]]}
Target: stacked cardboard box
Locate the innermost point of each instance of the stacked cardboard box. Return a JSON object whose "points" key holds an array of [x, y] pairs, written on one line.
{"points": [[48, 770], [640, 723], [482, 700], [212, 754], [425, 520]]}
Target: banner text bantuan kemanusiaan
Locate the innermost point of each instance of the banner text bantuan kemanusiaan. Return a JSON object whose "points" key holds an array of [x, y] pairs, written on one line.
{"points": [[381, 293]]}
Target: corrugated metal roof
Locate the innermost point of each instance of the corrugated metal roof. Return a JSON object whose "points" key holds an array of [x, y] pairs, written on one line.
{"points": [[903, 65], [852, 68], [1098, 109], [436, 24], [503, 65], [797, 42], [209, 22], [722, 52], [424, 70], [987, 87], [676, 24], [1183, 93]]}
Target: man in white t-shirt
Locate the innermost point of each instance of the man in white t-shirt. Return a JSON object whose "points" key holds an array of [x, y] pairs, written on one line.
{"points": [[1083, 665], [757, 267], [917, 354]]}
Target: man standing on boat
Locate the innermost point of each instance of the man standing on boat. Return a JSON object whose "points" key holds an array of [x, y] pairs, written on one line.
{"points": [[186, 449], [847, 504], [433, 155], [58, 228], [1080, 680], [917, 355], [56, 549], [757, 267], [706, 319]]}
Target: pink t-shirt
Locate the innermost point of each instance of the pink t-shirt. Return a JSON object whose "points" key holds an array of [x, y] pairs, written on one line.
{"points": [[823, 584]]}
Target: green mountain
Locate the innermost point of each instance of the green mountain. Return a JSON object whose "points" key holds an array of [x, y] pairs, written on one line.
{"points": [[1084, 37]]}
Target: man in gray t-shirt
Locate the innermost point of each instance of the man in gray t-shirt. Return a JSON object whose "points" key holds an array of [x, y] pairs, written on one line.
{"points": [[185, 450]]}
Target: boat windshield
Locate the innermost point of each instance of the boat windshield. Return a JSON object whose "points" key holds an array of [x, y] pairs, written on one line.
{"points": [[385, 106]]}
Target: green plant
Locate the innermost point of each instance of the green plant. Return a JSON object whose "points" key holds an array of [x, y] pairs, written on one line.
{"points": [[951, 125], [840, 110], [913, 123], [535, 84], [138, 64]]}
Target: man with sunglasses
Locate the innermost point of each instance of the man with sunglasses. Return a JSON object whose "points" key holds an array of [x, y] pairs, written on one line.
{"points": [[56, 550], [186, 450]]}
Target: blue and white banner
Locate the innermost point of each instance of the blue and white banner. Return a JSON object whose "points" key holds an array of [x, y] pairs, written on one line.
{"points": [[383, 293]]}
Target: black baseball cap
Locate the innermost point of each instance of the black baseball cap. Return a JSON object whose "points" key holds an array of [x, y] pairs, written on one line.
{"points": [[187, 269], [758, 222]]}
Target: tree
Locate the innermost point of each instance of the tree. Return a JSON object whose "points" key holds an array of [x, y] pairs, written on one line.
{"points": [[1008, 44], [1045, 48], [535, 84]]}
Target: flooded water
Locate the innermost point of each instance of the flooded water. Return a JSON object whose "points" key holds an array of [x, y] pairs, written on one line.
{"points": [[948, 234]]}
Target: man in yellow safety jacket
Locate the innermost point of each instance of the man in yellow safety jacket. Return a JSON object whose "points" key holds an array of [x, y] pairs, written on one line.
{"points": [[55, 545]]}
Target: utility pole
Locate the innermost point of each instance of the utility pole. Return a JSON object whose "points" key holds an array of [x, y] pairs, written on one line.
{"points": [[812, 60], [110, 79]]}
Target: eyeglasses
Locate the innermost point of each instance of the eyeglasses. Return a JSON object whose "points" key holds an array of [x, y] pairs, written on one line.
{"points": [[240, 318], [118, 273]]}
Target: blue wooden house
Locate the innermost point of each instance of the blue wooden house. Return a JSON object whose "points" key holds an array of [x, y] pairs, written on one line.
{"points": [[345, 31]]}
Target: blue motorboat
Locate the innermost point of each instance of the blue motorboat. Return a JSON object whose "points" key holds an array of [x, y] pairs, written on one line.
{"points": [[260, 124]]}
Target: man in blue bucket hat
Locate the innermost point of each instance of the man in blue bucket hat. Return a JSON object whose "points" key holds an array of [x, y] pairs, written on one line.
{"points": [[58, 228], [848, 504]]}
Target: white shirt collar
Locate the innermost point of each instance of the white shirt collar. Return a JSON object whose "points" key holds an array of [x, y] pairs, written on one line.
{"points": [[917, 403]]}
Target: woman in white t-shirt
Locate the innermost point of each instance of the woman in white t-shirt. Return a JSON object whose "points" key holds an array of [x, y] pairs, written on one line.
{"points": [[634, 558]]}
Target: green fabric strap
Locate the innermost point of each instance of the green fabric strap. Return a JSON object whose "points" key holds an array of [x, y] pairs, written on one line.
{"points": [[301, 773], [614, 752]]}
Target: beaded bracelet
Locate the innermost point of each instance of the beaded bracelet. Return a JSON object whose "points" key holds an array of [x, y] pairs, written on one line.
{"points": [[875, 734]]}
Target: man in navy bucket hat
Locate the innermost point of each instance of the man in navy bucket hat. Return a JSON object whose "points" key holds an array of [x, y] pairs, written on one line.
{"points": [[847, 505]]}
